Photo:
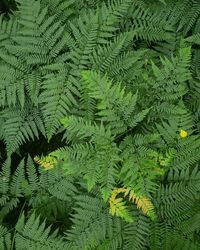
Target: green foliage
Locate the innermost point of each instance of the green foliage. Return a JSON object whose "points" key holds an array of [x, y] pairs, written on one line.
{"points": [[100, 99], [34, 235]]}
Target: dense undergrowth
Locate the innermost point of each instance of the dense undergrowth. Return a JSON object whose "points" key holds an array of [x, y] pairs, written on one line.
{"points": [[100, 125]]}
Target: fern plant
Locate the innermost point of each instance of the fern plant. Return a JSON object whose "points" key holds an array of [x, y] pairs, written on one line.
{"points": [[100, 122]]}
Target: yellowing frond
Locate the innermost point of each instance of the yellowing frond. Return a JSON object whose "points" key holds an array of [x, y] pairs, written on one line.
{"points": [[159, 171], [144, 204], [47, 162], [118, 208]]}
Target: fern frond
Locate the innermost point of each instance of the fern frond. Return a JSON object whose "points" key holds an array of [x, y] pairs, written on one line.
{"points": [[136, 234], [32, 174], [140, 167], [5, 238], [8, 28], [16, 187], [192, 8], [78, 127], [150, 26], [174, 201], [94, 228], [47, 162], [61, 8], [56, 101], [21, 125], [34, 234], [57, 192], [99, 160], [144, 204], [114, 105], [86, 37], [11, 187], [118, 207], [105, 56]]}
